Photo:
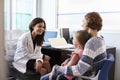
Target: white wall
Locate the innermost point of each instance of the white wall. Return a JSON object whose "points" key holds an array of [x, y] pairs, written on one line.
{"points": [[2, 62], [113, 39], [71, 13]]}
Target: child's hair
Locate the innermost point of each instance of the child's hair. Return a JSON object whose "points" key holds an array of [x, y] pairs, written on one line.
{"points": [[82, 36]]}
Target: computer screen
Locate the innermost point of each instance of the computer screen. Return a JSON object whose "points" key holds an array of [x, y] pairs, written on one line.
{"points": [[50, 34], [65, 33]]}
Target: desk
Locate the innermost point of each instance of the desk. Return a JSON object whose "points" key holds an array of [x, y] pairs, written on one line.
{"points": [[59, 55]]}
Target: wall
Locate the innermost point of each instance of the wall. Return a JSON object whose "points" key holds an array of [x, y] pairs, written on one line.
{"points": [[113, 39], [48, 13], [2, 62]]}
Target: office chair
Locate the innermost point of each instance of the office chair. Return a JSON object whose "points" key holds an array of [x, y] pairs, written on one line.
{"points": [[102, 70]]}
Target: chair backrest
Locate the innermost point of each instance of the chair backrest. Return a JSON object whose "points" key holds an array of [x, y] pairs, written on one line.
{"points": [[103, 69], [105, 66]]}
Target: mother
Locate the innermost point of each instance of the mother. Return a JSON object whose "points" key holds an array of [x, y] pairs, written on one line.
{"points": [[94, 50]]}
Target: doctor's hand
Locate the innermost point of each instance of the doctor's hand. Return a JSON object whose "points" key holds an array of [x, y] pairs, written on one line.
{"points": [[47, 58], [38, 66]]}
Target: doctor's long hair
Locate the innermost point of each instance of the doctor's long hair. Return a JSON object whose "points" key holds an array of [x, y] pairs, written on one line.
{"points": [[40, 38]]}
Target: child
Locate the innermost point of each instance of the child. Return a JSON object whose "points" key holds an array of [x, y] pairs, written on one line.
{"points": [[79, 39]]}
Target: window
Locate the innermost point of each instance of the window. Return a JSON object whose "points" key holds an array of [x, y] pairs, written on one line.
{"points": [[49, 13], [19, 13], [71, 13]]}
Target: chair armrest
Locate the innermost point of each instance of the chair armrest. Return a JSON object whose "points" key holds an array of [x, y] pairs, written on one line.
{"points": [[92, 77]]}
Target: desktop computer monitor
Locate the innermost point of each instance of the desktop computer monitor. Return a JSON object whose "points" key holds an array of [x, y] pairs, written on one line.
{"points": [[65, 33]]}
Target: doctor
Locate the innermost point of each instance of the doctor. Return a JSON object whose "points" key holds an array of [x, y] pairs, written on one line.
{"points": [[28, 55]]}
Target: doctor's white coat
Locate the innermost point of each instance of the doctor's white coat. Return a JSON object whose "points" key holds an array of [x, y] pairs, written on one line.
{"points": [[26, 51]]}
